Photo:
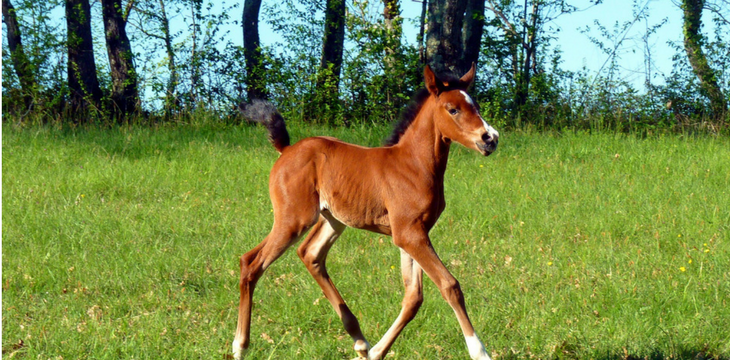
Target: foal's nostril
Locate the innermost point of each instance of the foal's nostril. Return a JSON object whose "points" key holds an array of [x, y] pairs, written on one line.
{"points": [[487, 137]]}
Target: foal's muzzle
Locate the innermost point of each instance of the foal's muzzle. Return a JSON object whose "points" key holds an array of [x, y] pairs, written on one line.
{"points": [[488, 144]]}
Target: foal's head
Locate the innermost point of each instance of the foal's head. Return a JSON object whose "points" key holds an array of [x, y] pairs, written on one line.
{"points": [[456, 114]]}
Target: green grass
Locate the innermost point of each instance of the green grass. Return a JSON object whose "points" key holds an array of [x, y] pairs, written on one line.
{"points": [[124, 243]]}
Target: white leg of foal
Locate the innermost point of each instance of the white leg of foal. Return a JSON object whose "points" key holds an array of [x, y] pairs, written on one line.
{"points": [[238, 350], [476, 348]]}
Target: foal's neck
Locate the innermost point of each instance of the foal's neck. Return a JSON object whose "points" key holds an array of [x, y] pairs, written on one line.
{"points": [[425, 143]]}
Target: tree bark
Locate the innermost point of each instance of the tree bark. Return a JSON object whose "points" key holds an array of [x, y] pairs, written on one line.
{"points": [[421, 30], [125, 95], [444, 46], [325, 105], [85, 93], [529, 47], [693, 46], [171, 101], [333, 44], [255, 85], [472, 33], [391, 15], [18, 57]]}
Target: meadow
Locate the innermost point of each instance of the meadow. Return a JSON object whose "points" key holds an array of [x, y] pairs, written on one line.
{"points": [[124, 243]]}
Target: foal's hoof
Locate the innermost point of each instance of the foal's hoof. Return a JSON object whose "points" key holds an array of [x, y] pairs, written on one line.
{"points": [[361, 348]]}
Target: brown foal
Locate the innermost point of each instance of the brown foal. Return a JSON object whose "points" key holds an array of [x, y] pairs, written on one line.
{"points": [[324, 185]]}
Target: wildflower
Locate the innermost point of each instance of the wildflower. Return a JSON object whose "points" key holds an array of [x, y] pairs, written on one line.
{"points": [[690, 261], [682, 269], [550, 263]]}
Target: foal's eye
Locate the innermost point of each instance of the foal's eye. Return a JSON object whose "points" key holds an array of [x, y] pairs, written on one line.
{"points": [[453, 111]]}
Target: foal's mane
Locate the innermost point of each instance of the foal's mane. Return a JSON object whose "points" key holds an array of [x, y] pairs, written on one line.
{"points": [[414, 107]]}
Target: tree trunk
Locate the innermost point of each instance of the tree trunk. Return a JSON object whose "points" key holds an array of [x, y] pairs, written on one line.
{"points": [[18, 57], [693, 46], [325, 106], [391, 14], [473, 29], [83, 84], [125, 95], [333, 44], [171, 101], [255, 86], [444, 45], [529, 47], [421, 30]]}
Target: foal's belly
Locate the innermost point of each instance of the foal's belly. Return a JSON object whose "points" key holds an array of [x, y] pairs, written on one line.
{"points": [[368, 215]]}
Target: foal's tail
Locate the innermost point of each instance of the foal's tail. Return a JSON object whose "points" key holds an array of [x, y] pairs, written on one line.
{"points": [[265, 113]]}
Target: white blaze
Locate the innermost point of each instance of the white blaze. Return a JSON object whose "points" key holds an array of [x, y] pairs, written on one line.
{"points": [[490, 130], [468, 98]]}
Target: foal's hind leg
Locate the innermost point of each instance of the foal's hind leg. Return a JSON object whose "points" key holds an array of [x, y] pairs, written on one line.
{"points": [[253, 264], [313, 252], [412, 300]]}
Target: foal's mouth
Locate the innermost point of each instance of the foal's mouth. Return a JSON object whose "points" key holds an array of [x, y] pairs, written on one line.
{"points": [[486, 148]]}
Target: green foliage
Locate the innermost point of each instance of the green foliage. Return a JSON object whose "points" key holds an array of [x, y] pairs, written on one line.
{"points": [[381, 70], [560, 99], [124, 243], [370, 90]]}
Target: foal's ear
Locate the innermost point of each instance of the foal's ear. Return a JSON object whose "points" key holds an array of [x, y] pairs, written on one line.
{"points": [[468, 78], [433, 84]]}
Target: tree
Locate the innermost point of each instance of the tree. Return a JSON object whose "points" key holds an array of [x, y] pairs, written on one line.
{"points": [[326, 105], [473, 30], [523, 34], [152, 21], [85, 93], [391, 15], [255, 86], [125, 96], [444, 46], [333, 44], [522, 43], [693, 41], [20, 60]]}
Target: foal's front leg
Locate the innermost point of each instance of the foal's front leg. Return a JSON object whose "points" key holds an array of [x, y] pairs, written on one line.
{"points": [[413, 239]]}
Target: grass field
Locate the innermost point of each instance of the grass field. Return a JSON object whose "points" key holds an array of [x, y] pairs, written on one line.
{"points": [[124, 244]]}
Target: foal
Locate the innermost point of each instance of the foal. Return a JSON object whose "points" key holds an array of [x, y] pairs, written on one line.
{"points": [[323, 185]]}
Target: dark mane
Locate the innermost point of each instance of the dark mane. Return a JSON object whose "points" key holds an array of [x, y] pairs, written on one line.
{"points": [[414, 107], [407, 116]]}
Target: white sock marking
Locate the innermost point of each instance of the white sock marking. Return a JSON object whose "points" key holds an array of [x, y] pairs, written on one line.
{"points": [[476, 348]]}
